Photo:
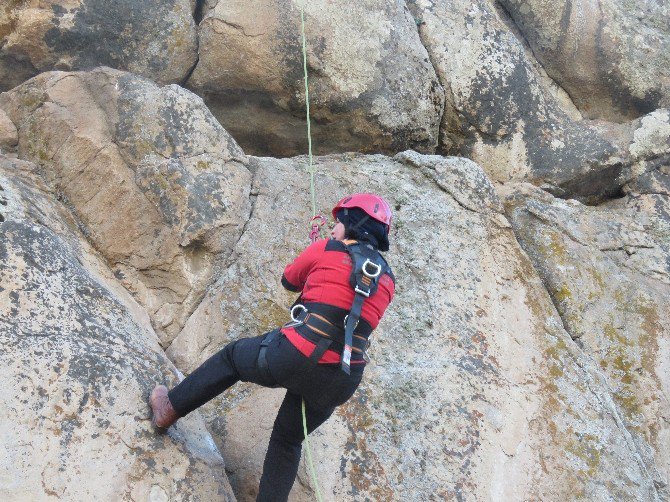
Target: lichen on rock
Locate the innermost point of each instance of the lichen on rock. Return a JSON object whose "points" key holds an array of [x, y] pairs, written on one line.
{"points": [[157, 185], [79, 358]]}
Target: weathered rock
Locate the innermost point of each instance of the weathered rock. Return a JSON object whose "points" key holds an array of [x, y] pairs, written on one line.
{"points": [[475, 391], [372, 87], [497, 113], [8, 135], [159, 188], [649, 147], [78, 358], [612, 58], [654, 182], [608, 271], [155, 38]]}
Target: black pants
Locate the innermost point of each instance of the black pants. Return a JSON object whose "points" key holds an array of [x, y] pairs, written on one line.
{"points": [[323, 387]]}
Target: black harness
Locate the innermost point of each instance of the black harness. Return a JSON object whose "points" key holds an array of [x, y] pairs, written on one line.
{"points": [[312, 323], [368, 267]]}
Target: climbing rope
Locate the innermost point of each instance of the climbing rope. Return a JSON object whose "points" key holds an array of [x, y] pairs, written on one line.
{"points": [[309, 454], [314, 234], [317, 220], [309, 126]]}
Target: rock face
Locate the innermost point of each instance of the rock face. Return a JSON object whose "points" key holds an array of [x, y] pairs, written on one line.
{"points": [[612, 58], [475, 390], [504, 112], [607, 269], [497, 111], [372, 87], [506, 83], [155, 38], [8, 134], [158, 187], [78, 358]]}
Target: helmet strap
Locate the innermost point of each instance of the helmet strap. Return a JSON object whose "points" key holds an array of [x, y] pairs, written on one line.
{"points": [[360, 223]]}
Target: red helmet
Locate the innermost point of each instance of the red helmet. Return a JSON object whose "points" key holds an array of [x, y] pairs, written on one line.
{"points": [[373, 205]]}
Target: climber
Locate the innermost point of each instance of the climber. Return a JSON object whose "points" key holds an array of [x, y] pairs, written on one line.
{"points": [[316, 357]]}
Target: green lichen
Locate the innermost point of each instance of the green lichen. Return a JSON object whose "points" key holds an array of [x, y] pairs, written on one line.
{"points": [[141, 148], [555, 249], [361, 465], [599, 282], [630, 353], [31, 100], [271, 315], [563, 293], [554, 358], [587, 448], [558, 348]]}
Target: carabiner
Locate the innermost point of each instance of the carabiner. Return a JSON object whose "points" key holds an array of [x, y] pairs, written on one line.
{"points": [[316, 227]]}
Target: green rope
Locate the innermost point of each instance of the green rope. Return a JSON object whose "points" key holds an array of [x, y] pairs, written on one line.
{"points": [[309, 454], [309, 127], [311, 190]]}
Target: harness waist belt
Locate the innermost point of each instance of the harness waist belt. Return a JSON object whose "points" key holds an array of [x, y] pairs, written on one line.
{"points": [[305, 332], [336, 317], [315, 329]]}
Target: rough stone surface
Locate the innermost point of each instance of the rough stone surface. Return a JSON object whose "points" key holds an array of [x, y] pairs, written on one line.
{"points": [[78, 358], [158, 187], [497, 113], [372, 87], [8, 134], [612, 58], [607, 270], [154, 38], [475, 392]]}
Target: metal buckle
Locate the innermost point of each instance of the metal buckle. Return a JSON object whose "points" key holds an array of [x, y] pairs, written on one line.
{"points": [[378, 269], [298, 306], [294, 320], [366, 294]]}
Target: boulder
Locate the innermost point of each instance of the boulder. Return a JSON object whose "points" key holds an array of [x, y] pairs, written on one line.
{"points": [[372, 87], [607, 269], [155, 38], [612, 58], [78, 358], [497, 112], [157, 186], [475, 390]]}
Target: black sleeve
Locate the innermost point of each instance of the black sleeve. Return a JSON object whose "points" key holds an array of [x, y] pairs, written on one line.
{"points": [[288, 285]]}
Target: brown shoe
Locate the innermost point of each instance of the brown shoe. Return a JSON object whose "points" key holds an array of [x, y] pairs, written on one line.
{"points": [[164, 414]]}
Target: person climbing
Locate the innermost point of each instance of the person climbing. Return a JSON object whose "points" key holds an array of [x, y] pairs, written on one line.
{"points": [[345, 287]]}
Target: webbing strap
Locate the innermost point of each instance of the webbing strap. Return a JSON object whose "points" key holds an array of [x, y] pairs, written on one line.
{"points": [[319, 350], [349, 327], [262, 362]]}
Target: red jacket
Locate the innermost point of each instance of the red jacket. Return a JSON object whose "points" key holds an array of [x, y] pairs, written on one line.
{"points": [[321, 273]]}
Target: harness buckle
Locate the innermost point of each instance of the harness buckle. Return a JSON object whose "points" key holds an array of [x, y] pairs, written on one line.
{"points": [[377, 269], [295, 319], [300, 306], [358, 290]]}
